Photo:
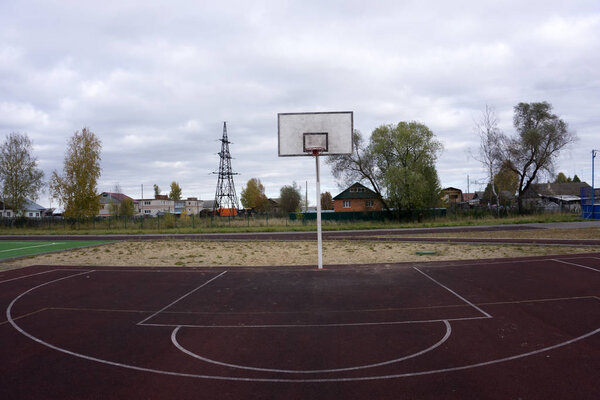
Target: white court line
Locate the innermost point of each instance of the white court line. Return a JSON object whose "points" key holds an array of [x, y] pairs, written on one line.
{"points": [[319, 325], [545, 300], [26, 315], [39, 273], [30, 247], [482, 262], [181, 298], [27, 276], [293, 268], [152, 271], [274, 380], [313, 371], [493, 303], [454, 293], [8, 309], [577, 265]]}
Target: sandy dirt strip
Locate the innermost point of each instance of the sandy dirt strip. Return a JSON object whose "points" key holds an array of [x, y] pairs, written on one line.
{"points": [[250, 253]]}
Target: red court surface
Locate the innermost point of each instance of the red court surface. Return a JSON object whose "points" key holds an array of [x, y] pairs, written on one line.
{"points": [[494, 329]]}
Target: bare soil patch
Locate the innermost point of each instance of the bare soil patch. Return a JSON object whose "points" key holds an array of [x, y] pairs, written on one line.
{"points": [[249, 253]]}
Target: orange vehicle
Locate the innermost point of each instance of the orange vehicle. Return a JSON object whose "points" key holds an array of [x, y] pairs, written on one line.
{"points": [[227, 212]]}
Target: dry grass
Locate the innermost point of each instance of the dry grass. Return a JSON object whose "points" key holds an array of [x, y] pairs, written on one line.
{"points": [[578, 233], [248, 253]]}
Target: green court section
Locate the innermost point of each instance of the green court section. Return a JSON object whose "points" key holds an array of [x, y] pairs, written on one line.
{"points": [[12, 249]]}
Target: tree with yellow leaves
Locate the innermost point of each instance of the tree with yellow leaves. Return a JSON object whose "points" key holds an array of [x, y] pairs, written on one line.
{"points": [[75, 188]]}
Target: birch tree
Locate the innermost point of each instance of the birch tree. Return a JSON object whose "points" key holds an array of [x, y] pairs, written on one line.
{"points": [[490, 138], [20, 176]]}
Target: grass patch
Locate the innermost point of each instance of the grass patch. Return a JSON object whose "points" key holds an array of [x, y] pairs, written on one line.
{"points": [[12, 249]]}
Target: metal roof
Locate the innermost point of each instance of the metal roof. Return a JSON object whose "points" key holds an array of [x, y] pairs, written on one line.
{"points": [[352, 193]]}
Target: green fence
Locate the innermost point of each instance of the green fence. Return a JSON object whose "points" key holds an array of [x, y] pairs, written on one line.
{"points": [[194, 223], [404, 215], [162, 222]]}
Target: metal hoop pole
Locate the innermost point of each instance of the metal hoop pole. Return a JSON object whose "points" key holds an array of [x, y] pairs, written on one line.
{"points": [[319, 233]]}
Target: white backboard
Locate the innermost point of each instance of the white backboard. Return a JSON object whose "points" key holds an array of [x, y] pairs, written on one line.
{"points": [[296, 130]]}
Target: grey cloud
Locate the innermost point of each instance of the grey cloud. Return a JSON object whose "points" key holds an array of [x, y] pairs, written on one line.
{"points": [[156, 81]]}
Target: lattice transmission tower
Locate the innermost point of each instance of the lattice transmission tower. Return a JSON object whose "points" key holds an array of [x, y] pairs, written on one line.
{"points": [[226, 202]]}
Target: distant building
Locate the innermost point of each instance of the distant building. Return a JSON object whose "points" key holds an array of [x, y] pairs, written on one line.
{"points": [[153, 207], [452, 196], [193, 206], [468, 197], [478, 199], [274, 205], [30, 210], [110, 203], [159, 205], [6, 211], [178, 207], [554, 196], [357, 198]]}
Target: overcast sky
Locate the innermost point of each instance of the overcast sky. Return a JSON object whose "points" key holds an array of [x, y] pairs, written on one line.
{"points": [[155, 80]]}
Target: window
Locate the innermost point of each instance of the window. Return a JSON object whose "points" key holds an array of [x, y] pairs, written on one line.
{"points": [[147, 211], [346, 203], [361, 189], [147, 203], [369, 203], [31, 214]]}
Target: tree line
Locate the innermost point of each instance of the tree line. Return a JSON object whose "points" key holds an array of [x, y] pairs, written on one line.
{"points": [[74, 186], [397, 161], [520, 159], [290, 198]]}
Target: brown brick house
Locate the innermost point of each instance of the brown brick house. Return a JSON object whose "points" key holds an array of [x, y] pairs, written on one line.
{"points": [[357, 198]]}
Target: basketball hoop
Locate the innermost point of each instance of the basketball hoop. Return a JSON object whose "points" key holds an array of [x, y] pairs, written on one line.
{"points": [[299, 133], [316, 150], [315, 134]]}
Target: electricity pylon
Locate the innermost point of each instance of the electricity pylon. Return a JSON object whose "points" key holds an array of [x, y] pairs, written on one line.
{"points": [[226, 202]]}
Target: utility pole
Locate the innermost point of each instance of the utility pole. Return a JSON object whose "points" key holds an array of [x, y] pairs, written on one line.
{"points": [[225, 196], [306, 196], [141, 205], [593, 199], [468, 184]]}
